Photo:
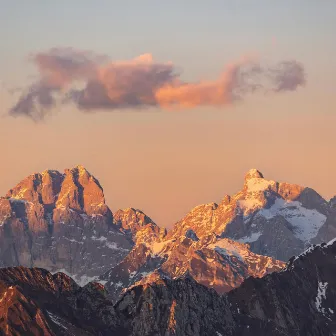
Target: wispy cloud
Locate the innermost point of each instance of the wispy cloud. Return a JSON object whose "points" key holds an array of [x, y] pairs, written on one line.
{"points": [[94, 82]]}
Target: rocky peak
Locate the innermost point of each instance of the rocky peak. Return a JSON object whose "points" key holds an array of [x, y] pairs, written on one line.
{"points": [[138, 225], [289, 191], [225, 200], [38, 188], [76, 189], [255, 183], [261, 208], [253, 173], [131, 219], [200, 219], [82, 192]]}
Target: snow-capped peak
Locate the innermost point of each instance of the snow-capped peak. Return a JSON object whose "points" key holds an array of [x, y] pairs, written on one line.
{"points": [[253, 173]]}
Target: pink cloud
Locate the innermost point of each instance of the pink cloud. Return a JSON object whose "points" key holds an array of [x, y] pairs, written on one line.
{"points": [[143, 82]]}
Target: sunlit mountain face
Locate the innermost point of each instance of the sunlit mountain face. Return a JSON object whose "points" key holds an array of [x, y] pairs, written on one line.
{"points": [[60, 222]]}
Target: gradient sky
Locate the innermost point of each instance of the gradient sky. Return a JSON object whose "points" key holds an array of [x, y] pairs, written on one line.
{"points": [[166, 162]]}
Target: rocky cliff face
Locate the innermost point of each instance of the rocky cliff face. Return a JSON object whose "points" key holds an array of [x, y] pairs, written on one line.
{"points": [[176, 307], [298, 301], [60, 222]]}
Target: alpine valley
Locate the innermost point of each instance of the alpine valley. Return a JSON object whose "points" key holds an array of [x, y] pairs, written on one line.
{"points": [[260, 262]]}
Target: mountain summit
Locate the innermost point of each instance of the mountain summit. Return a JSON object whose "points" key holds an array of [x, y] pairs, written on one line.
{"points": [[265, 214], [76, 189], [60, 222], [253, 173]]}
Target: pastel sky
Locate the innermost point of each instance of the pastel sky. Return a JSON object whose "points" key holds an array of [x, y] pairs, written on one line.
{"points": [[167, 160]]}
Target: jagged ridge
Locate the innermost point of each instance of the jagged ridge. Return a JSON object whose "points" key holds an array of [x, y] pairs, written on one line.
{"points": [[300, 300]]}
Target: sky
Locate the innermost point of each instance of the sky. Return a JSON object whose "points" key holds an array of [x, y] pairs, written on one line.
{"points": [[173, 131]]}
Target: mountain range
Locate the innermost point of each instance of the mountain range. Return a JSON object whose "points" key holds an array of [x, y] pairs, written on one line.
{"points": [[299, 300], [118, 271]]}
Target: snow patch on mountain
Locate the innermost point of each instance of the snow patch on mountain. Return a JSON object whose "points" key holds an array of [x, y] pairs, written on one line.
{"points": [[259, 184], [230, 248], [81, 280], [250, 239], [110, 244], [321, 294], [306, 222], [249, 205], [57, 320]]}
